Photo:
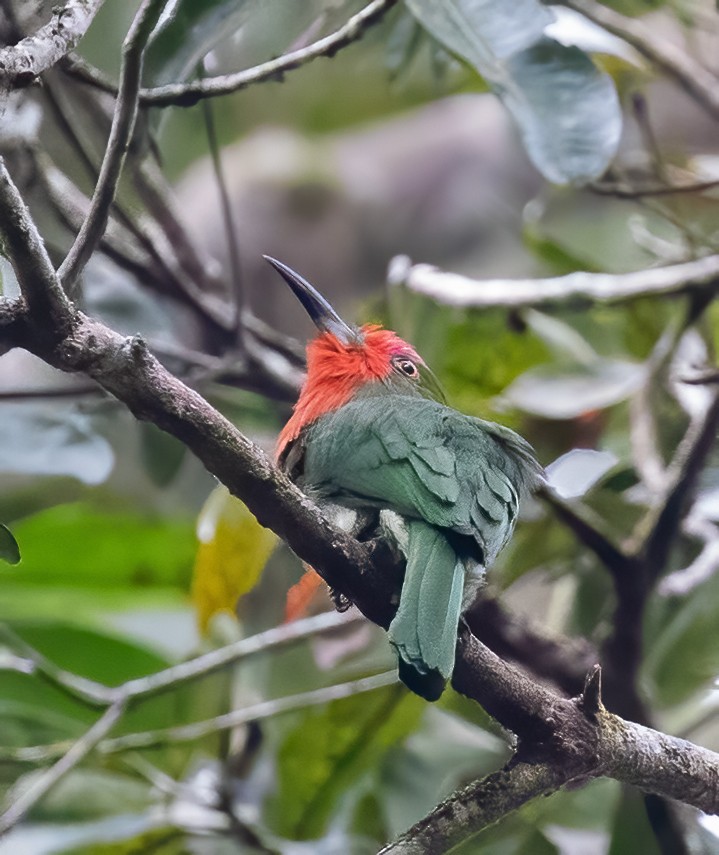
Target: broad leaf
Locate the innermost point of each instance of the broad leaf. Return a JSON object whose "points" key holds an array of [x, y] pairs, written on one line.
{"points": [[576, 472], [162, 454], [632, 831], [683, 647], [73, 546], [188, 32], [566, 393], [9, 549], [567, 111], [232, 553], [36, 439], [330, 749]]}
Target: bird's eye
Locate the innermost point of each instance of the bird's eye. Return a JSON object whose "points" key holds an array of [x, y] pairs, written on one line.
{"points": [[406, 366]]}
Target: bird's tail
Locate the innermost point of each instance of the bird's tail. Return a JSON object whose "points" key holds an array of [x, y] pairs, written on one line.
{"points": [[424, 630]]}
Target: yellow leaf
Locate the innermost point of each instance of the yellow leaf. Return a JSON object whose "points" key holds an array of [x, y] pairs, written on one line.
{"points": [[233, 550]]}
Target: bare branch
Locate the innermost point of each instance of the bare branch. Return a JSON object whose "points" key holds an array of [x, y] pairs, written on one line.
{"points": [[123, 123], [476, 807], [577, 289], [255, 712], [80, 688], [79, 750], [684, 472], [229, 223], [188, 94], [561, 741], [20, 64], [561, 659], [588, 531], [46, 300]]}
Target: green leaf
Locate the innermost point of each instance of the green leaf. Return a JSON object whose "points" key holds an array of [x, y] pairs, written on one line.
{"points": [[195, 27], [567, 111], [36, 439], [105, 840], [74, 545], [535, 843], [9, 549], [162, 454], [683, 652], [188, 33], [34, 711], [330, 749], [632, 831]]}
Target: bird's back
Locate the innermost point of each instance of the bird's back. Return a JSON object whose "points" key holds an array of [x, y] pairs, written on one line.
{"points": [[423, 460]]}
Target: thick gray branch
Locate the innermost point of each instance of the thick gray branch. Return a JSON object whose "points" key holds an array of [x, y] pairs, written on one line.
{"points": [[658, 763], [476, 807], [578, 289], [20, 64], [561, 741]]}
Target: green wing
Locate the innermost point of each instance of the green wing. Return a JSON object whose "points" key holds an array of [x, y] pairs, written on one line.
{"points": [[425, 461]]}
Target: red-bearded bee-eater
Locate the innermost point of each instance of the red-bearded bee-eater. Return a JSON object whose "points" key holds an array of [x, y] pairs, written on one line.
{"points": [[371, 438]]}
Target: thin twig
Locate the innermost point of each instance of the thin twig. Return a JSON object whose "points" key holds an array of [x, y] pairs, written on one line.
{"points": [[208, 663], [188, 94], [123, 123], [255, 712], [79, 750], [154, 191], [684, 472], [163, 269], [84, 690], [622, 190], [232, 233], [207, 727], [21, 63], [588, 530]]}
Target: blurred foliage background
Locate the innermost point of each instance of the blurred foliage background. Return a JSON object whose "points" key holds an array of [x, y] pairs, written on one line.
{"points": [[133, 560]]}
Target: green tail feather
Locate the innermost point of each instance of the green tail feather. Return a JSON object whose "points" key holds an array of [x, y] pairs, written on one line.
{"points": [[424, 630]]}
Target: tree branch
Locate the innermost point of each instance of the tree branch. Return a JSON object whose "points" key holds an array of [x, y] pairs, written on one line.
{"points": [[79, 750], [684, 471], [577, 289], [561, 741], [49, 307], [123, 122], [476, 807], [551, 730], [188, 94], [20, 64], [244, 715]]}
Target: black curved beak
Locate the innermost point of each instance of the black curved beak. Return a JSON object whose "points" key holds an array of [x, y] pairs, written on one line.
{"points": [[323, 315]]}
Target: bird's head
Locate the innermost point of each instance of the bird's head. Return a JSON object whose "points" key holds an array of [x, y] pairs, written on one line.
{"points": [[344, 360]]}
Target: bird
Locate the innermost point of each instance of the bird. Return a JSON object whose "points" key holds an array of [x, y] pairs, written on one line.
{"points": [[372, 440]]}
